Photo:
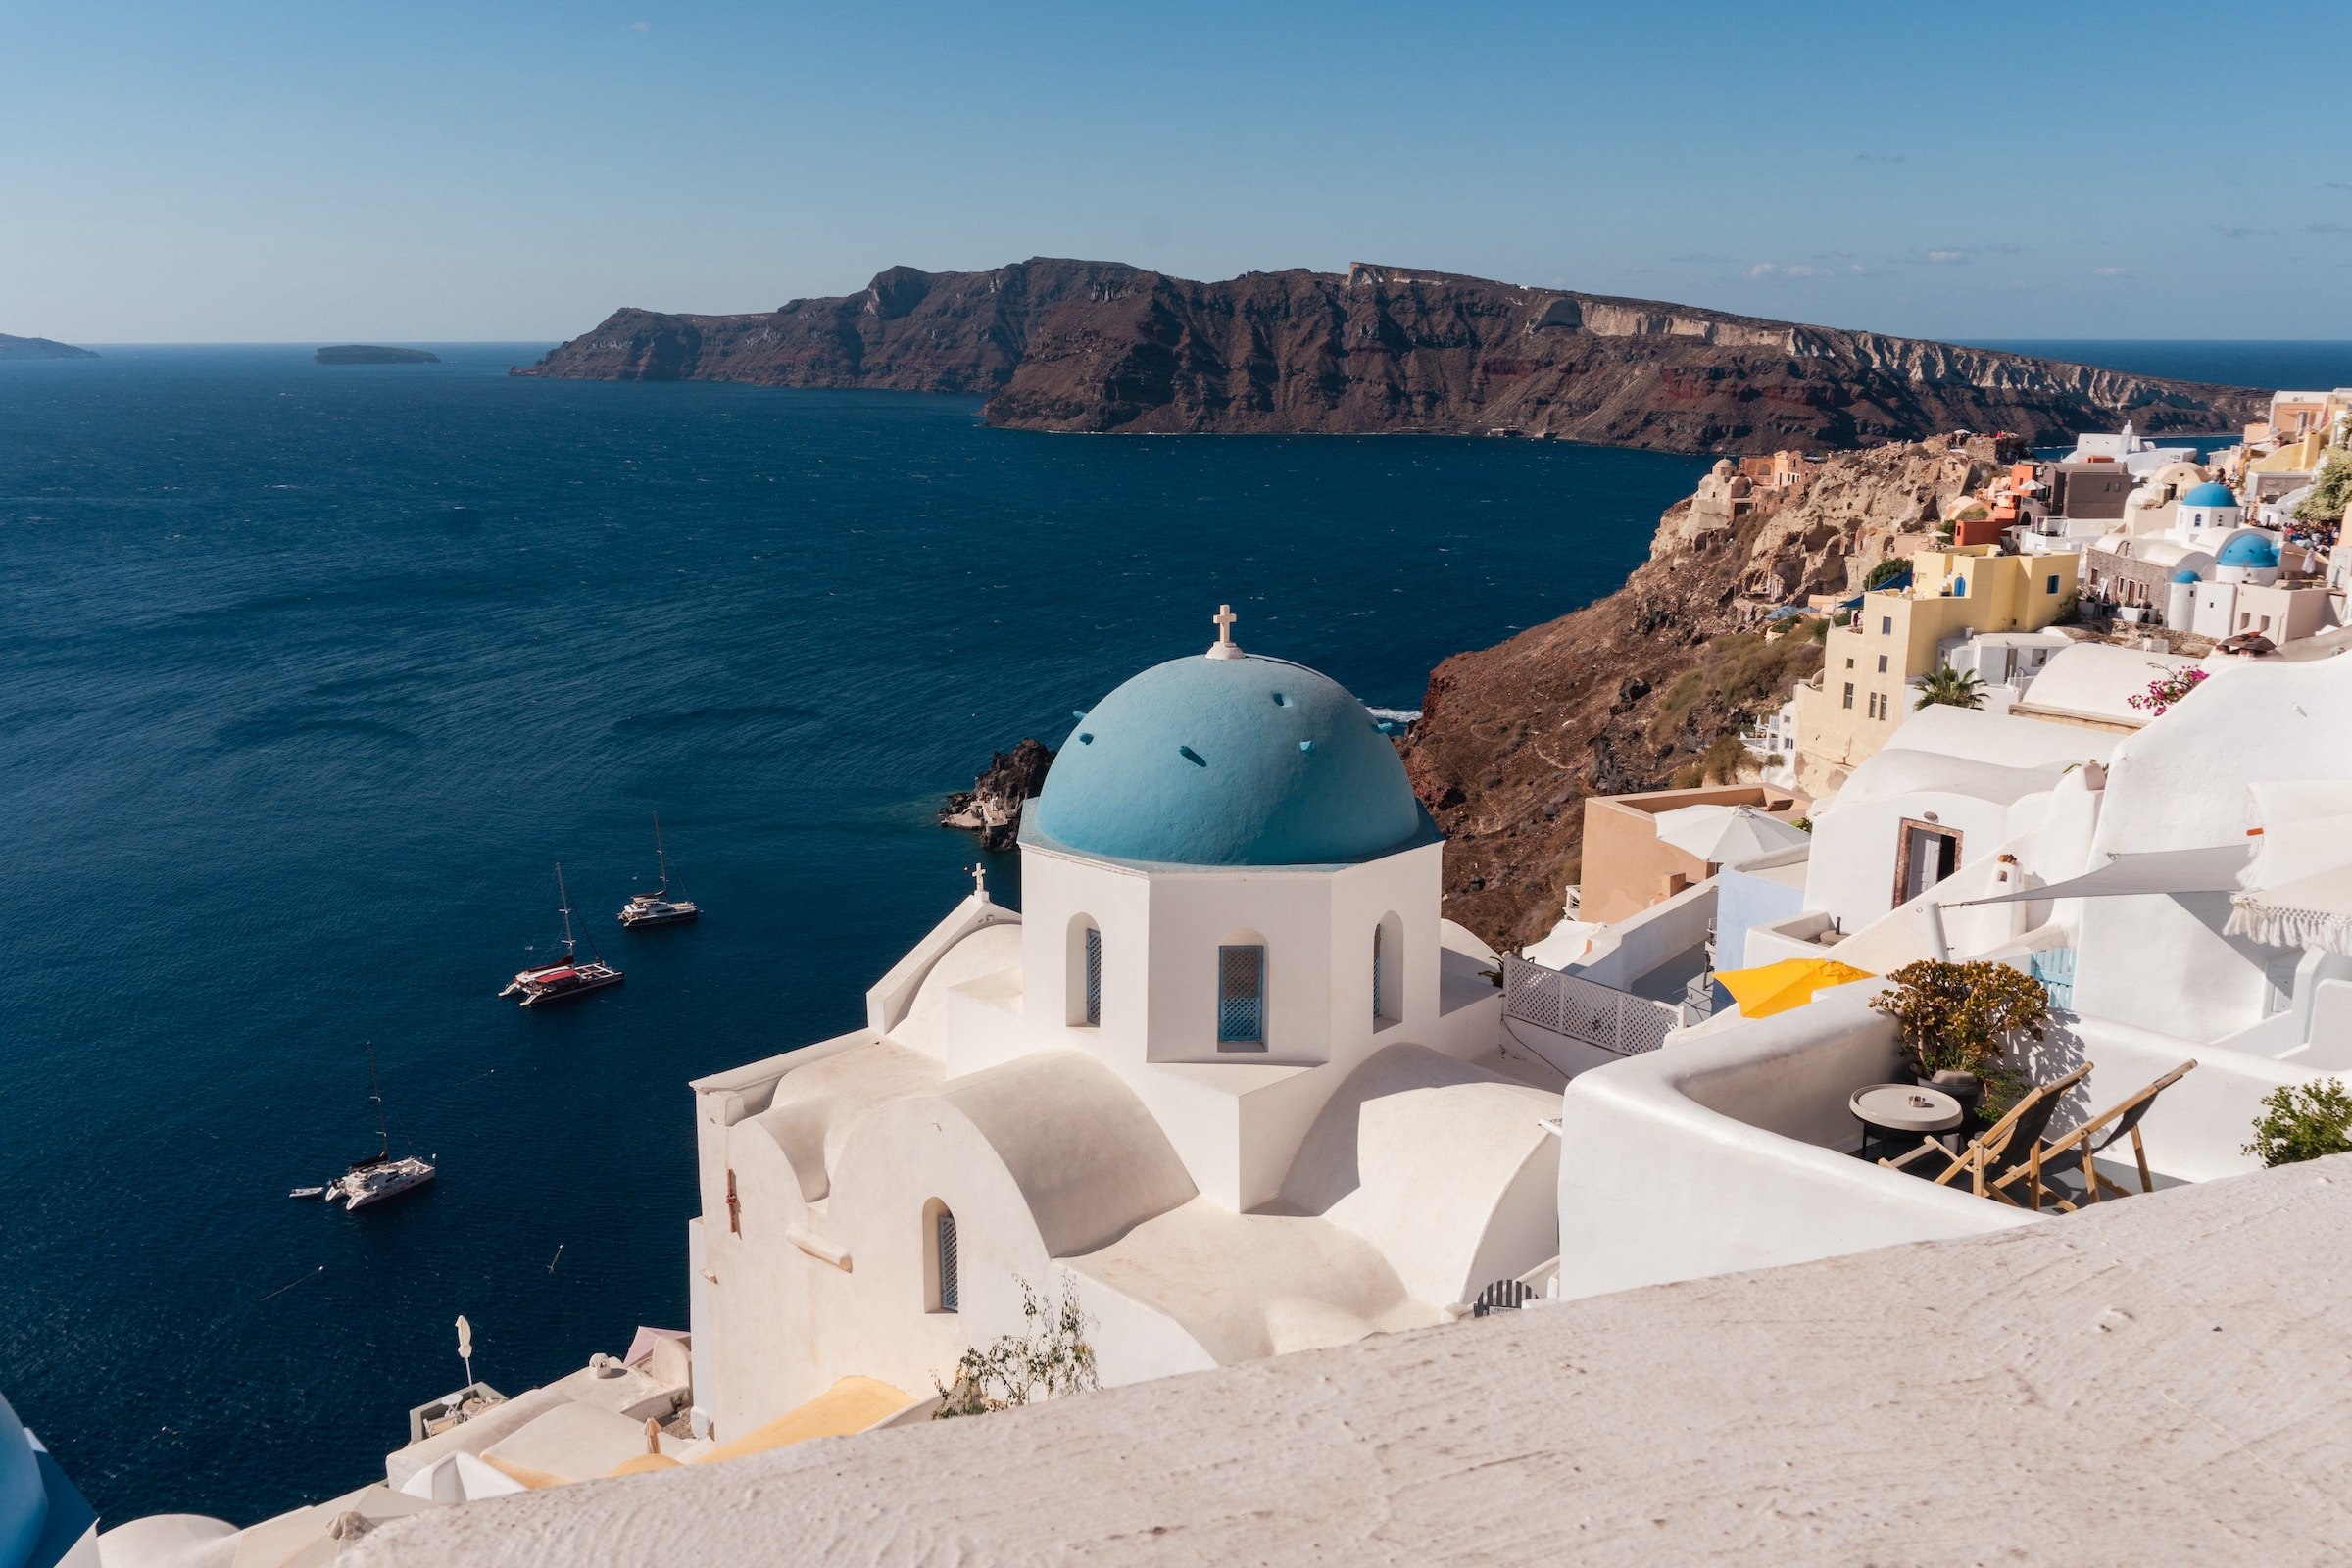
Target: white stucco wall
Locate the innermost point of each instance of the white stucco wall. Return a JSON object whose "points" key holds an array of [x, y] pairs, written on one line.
{"points": [[1723, 1151], [2162, 963]]}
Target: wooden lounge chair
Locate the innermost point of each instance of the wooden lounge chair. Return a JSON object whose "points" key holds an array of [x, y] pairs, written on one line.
{"points": [[2002, 1145], [2093, 1139]]}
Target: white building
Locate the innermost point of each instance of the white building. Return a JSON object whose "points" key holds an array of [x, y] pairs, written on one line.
{"points": [[2139, 455], [1229, 1075], [2128, 885]]}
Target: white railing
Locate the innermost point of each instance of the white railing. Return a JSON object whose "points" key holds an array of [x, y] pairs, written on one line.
{"points": [[1582, 1010]]}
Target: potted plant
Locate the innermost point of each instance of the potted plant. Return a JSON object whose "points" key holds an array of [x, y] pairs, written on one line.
{"points": [[1954, 1021]]}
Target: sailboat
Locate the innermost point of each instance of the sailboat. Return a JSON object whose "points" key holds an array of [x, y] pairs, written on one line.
{"points": [[657, 908], [376, 1176], [567, 977]]}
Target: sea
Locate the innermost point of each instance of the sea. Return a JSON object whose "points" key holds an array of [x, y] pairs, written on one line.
{"points": [[308, 678]]}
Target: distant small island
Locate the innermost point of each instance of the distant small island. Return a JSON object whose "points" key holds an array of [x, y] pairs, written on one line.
{"points": [[373, 354], [39, 348]]}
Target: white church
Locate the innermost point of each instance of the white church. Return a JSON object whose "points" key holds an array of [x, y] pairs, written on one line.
{"points": [[1229, 1075]]}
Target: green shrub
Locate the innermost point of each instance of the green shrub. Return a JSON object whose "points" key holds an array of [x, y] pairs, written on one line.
{"points": [[1960, 1015], [1679, 700], [2330, 494], [1886, 571], [1950, 688], [2303, 1122], [1722, 759], [1049, 1358]]}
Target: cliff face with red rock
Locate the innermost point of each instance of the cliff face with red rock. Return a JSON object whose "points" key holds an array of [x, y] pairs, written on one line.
{"points": [[1629, 691], [1097, 346]]}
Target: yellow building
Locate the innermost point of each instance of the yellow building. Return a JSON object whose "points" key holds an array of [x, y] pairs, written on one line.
{"points": [[1846, 712], [2299, 456]]}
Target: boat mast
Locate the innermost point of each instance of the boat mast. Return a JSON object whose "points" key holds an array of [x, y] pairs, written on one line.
{"points": [[375, 1091], [563, 903], [568, 952], [663, 856]]}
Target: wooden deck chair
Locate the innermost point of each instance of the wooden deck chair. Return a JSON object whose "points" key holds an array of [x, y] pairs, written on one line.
{"points": [[2093, 1138], [2000, 1145]]}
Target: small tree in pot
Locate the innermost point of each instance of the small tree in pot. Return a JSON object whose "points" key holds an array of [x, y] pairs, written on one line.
{"points": [[1955, 1019]]}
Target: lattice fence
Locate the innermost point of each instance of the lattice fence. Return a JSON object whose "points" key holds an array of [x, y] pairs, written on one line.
{"points": [[1583, 1009]]}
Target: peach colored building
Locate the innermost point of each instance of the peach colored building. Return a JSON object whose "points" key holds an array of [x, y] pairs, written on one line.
{"points": [[1627, 869]]}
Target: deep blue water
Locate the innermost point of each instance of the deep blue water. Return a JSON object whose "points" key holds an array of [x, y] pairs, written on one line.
{"points": [[307, 675]]}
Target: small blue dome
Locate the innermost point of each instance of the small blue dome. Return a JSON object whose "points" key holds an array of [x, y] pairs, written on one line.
{"points": [[2184, 575], [1229, 761], [2209, 494], [2248, 550]]}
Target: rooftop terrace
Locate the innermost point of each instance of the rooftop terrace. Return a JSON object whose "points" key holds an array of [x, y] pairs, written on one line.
{"points": [[2159, 1379]]}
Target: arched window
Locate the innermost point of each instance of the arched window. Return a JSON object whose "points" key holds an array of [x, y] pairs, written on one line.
{"points": [[1083, 963], [1242, 997], [1388, 969], [940, 1273]]}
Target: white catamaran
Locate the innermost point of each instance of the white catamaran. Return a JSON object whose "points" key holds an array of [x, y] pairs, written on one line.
{"points": [[657, 908], [567, 977], [378, 1176]]}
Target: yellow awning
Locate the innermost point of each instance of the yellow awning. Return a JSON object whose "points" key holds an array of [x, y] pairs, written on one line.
{"points": [[1791, 983], [850, 1405]]}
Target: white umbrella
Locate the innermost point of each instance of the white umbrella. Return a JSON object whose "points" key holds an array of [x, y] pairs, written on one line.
{"points": [[2312, 912], [1718, 834], [2298, 887]]}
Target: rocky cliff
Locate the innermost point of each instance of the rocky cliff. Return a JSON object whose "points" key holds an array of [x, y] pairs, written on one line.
{"points": [[991, 806], [1097, 346], [1639, 690], [40, 348]]}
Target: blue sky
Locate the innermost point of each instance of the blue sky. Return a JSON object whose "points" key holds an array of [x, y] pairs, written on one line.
{"points": [[422, 171]]}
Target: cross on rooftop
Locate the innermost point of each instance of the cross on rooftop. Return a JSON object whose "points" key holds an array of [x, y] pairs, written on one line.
{"points": [[979, 880], [1225, 647]]}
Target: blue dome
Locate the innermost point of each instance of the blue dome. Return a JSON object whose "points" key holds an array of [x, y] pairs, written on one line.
{"points": [[2248, 550], [1229, 761], [2184, 575], [2209, 494]]}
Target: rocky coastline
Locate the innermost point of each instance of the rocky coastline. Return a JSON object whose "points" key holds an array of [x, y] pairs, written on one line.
{"points": [[991, 806], [1633, 691], [1103, 347], [40, 348], [373, 354]]}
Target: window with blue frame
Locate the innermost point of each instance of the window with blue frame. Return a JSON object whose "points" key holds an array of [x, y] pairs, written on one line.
{"points": [[1093, 975], [1241, 997]]}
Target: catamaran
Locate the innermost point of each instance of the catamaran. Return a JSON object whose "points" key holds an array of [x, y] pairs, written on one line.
{"points": [[657, 908], [567, 977], [378, 1176]]}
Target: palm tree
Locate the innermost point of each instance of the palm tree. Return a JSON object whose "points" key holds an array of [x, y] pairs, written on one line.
{"points": [[1950, 688]]}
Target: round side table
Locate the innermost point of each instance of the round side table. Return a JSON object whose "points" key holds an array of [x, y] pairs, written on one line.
{"points": [[1898, 1109]]}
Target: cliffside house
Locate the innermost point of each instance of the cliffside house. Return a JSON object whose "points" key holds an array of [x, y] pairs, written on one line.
{"points": [[2184, 892], [1898, 636]]}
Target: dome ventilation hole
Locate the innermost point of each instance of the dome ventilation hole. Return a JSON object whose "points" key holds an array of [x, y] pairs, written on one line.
{"points": [[1085, 739], [1282, 700], [1192, 756]]}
